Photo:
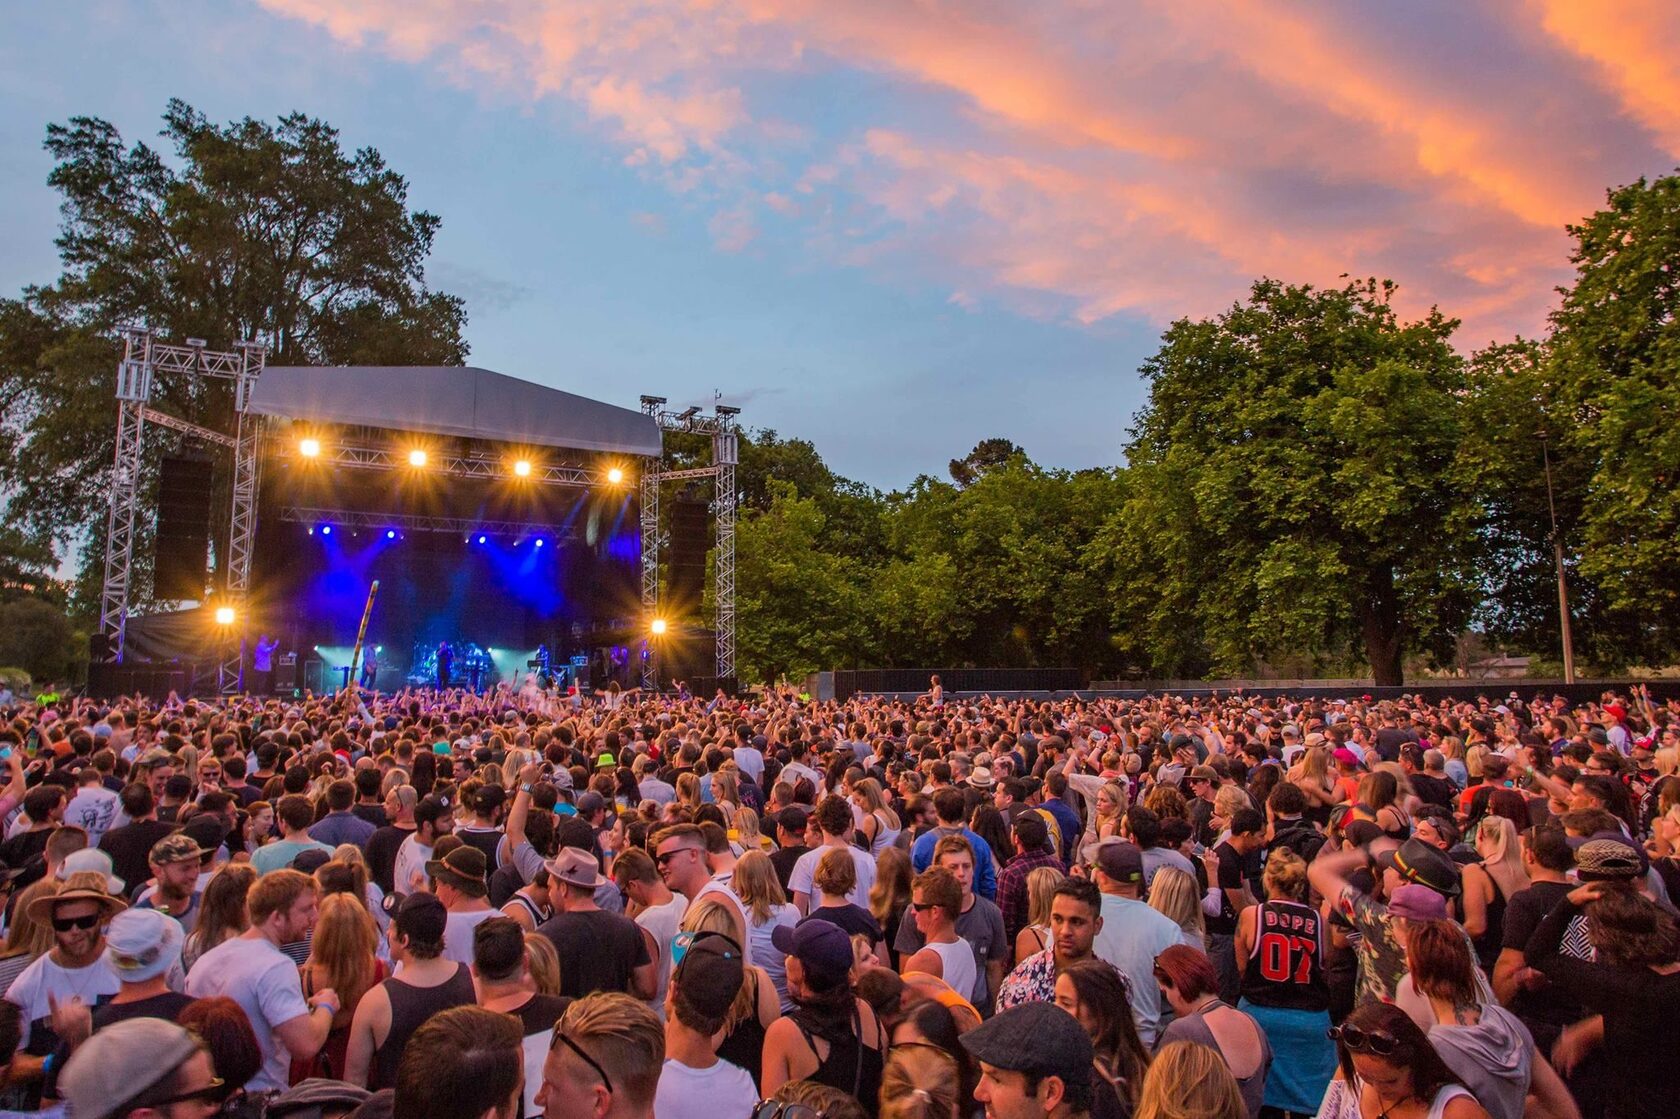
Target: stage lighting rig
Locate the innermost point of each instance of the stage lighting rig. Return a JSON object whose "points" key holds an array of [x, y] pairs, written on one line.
{"points": [[658, 627], [224, 615], [417, 457], [522, 469], [615, 475], [309, 448]]}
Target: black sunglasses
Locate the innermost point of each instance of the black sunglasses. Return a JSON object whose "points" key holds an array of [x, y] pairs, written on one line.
{"points": [[1365, 1041], [562, 1039], [923, 906], [210, 1093], [65, 924], [669, 855]]}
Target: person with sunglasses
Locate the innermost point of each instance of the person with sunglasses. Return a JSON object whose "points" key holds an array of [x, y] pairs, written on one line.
{"points": [[73, 973], [1388, 1070], [605, 1060], [144, 1068]]}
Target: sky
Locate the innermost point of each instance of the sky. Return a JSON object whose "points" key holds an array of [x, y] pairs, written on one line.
{"points": [[897, 228]]}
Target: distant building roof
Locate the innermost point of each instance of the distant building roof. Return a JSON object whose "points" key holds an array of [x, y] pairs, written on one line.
{"points": [[461, 401]]}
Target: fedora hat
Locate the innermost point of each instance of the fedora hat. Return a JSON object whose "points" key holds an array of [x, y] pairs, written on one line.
{"points": [[576, 868], [83, 886]]}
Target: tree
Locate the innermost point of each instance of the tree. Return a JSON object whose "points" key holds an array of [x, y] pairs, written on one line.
{"points": [[36, 637], [1292, 486], [252, 231], [987, 455], [26, 567], [1614, 358], [797, 606]]}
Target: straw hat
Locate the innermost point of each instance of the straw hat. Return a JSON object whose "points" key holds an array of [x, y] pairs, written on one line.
{"points": [[83, 886]]}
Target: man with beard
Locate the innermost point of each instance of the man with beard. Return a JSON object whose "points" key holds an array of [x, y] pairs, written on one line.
{"points": [[1075, 921]]}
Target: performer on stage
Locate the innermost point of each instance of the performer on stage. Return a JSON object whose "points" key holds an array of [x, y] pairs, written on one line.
{"points": [[445, 662], [262, 664], [370, 668]]}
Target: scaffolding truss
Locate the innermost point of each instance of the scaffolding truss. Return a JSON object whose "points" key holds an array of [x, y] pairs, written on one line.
{"points": [[724, 431], [144, 358], [368, 454]]}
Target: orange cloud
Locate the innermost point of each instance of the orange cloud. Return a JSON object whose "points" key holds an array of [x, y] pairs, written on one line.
{"points": [[1086, 160], [1637, 43]]}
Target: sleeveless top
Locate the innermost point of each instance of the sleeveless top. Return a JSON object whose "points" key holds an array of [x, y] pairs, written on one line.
{"points": [[1285, 968], [538, 916], [884, 836], [410, 1007], [1491, 942], [851, 1066], [1447, 1094], [956, 964]]}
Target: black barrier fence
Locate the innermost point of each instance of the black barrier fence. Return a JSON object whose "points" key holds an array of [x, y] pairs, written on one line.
{"points": [[845, 684]]}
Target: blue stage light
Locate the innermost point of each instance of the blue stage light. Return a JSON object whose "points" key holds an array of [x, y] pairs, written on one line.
{"points": [[539, 541], [390, 534], [326, 530], [481, 539]]}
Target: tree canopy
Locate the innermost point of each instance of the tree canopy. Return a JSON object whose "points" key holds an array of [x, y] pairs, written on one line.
{"points": [[247, 230]]}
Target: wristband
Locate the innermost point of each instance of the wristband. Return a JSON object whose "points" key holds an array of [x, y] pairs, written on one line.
{"points": [[319, 1003], [525, 787]]}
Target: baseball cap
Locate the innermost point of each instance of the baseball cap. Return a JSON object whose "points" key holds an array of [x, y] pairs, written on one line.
{"points": [[822, 947], [590, 801], [142, 944], [1344, 756], [1039, 1038], [711, 974], [1119, 859], [315, 1095], [1203, 773], [121, 1061], [311, 859], [176, 848], [91, 860]]}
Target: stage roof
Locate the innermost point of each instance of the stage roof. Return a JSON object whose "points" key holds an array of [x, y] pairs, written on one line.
{"points": [[462, 401]]}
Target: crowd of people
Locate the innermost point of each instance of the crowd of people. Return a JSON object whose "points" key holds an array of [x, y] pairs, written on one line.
{"points": [[448, 905]]}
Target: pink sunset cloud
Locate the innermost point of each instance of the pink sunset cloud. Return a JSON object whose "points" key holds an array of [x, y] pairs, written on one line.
{"points": [[1081, 161]]}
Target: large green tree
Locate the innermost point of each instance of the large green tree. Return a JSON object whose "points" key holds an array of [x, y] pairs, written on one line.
{"points": [[246, 230], [1292, 487], [1614, 367]]}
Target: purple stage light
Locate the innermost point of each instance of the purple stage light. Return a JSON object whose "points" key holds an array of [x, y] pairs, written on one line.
{"points": [[326, 530]]}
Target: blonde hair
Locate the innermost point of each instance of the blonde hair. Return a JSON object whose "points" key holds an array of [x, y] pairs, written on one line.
{"points": [[756, 884], [1473, 759], [726, 786], [1173, 894], [1189, 1081], [28, 936], [745, 830], [1041, 891], [1285, 875], [920, 1082], [543, 962], [341, 952], [869, 792], [1507, 845], [625, 1036], [1231, 799], [688, 790]]}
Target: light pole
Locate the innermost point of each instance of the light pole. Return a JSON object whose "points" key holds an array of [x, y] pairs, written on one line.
{"points": [[1557, 559]]}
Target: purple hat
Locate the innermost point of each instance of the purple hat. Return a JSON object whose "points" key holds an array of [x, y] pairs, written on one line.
{"points": [[1417, 903], [823, 949]]}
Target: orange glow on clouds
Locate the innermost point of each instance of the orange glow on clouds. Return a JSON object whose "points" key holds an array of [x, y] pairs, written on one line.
{"points": [[1078, 161]]}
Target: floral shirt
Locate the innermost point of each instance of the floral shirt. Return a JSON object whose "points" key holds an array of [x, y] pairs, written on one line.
{"points": [[1033, 980]]}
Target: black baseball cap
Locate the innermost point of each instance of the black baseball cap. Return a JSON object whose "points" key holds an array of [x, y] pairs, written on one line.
{"points": [[711, 974]]}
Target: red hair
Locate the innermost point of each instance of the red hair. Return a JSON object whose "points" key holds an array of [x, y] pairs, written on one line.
{"points": [[1189, 971], [1440, 961]]}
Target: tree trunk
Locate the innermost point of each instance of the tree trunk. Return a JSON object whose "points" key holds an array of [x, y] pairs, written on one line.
{"points": [[1380, 622]]}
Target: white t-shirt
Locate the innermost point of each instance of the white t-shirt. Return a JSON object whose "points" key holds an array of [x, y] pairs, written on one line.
{"points": [[94, 809], [724, 1091], [458, 933], [720, 886], [801, 881], [662, 922], [412, 856], [265, 983], [43, 977]]}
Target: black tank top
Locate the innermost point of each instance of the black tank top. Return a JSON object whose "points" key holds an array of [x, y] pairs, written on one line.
{"points": [[1492, 941], [851, 1066], [1285, 968], [410, 1007]]}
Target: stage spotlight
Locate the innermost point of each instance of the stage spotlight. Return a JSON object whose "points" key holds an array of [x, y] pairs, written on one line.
{"points": [[658, 627], [390, 534], [539, 541], [309, 448], [312, 530], [417, 457], [326, 530], [481, 539], [522, 469], [224, 615], [615, 475]]}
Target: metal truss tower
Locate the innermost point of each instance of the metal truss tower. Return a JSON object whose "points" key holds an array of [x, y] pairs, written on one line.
{"points": [[144, 358], [724, 431]]}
